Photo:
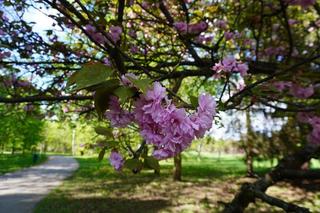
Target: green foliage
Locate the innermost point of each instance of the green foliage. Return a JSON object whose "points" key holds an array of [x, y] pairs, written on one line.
{"points": [[101, 96], [58, 136], [19, 130], [11, 163], [142, 84], [124, 93], [101, 154], [103, 131], [152, 163], [133, 164], [90, 75]]}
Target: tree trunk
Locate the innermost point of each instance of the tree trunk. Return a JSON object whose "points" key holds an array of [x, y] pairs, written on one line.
{"points": [[248, 146], [249, 164], [177, 168]]}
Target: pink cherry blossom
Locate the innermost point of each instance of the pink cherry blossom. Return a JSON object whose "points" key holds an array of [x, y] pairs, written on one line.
{"points": [[115, 33], [170, 129], [181, 27], [228, 35], [303, 3], [197, 28], [314, 136], [221, 24], [116, 160], [125, 79], [184, 28], [304, 117], [301, 92], [118, 116], [95, 35], [229, 65], [282, 85], [292, 22], [242, 69], [134, 49], [106, 61]]}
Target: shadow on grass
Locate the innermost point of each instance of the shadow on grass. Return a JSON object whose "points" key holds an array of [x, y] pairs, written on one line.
{"points": [[101, 205]]}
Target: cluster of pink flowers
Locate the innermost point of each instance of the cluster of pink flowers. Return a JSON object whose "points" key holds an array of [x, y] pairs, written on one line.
{"points": [[116, 160], [314, 121], [203, 39], [270, 51], [125, 79], [115, 33], [170, 129], [230, 65], [295, 89], [28, 107], [4, 55], [118, 116], [302, 3], [221, 24], [183, 28], [95, 35]]}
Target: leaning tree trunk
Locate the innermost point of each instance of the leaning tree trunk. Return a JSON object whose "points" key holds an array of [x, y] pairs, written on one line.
{"points": [[287, 168], [177, 168]]}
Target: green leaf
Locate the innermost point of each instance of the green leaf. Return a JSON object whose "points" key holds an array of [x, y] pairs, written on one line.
{"points": [[133, 164], [102, 95], [90, 74], [103, 131], [111, 144], [101, 154], [194, 101], [142, 84], [152, 163], [124, 93]]}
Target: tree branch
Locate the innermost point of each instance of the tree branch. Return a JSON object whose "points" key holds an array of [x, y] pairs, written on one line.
{"points": [[288, 207], [43, 98], [294, 161]]}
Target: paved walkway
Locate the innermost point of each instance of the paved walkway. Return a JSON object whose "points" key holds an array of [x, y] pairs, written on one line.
{"points": [[21, 190]]}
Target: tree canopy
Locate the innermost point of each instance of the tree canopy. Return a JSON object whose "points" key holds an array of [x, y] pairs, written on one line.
{"points": [[165, 69]]}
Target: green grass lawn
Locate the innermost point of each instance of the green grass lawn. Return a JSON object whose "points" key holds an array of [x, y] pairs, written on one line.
{"points": [[10, 163], [207, 181]]}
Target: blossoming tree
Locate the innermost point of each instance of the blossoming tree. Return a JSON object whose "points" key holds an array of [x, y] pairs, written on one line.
{"points": [[128, 59]]}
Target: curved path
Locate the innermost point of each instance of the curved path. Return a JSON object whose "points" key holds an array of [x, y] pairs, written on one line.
{"points": [[21, 190]]}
